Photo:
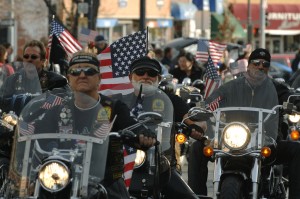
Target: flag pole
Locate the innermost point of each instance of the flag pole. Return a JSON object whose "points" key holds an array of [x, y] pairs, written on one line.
{"points": [[49, 53], [147, 41], [208, 51]]}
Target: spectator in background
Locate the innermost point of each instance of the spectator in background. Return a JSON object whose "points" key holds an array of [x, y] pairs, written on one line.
{"points": [[100, 43], [159, 54], [296, 61], [9, 51], [167, 58], [187, 67], [152, 55], [5, 68]]}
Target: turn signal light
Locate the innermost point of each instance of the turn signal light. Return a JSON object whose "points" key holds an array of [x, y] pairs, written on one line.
{"points": [[208, 151], [180, 138], [295, 135], [265, 151]]}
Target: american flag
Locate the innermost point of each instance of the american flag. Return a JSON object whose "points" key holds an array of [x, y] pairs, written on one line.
{"points": [[67, 41], [25, 128], [104, 129], [129, 152], [129, 157], [214, 104], [116, 59], [212, 80], [51, 101], [87, 35], [206, 48]]}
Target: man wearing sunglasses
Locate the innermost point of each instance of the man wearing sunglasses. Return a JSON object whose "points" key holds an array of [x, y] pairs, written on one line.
{"points": [[146, 71], [34, 53], [253, 89], [84, 105]]}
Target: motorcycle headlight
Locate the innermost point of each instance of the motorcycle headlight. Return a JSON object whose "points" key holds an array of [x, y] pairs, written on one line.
{"points": [[236, 136], [139, 159], [294, 118], [54, 176], [10, 118]]}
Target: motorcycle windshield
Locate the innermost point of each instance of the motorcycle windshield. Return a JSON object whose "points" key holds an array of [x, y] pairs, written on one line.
{"points": [[152, 99], [59, 144], [18, 89]]}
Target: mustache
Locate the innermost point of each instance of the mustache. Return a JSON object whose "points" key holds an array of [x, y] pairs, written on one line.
{"points": [[145, 82]]}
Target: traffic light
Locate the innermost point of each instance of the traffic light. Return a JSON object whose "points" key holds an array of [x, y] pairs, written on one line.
{"points": [[267, 23], [256, 32]]}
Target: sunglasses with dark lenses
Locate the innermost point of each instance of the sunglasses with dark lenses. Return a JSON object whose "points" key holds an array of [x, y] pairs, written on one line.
{"points": [[26, 56], [265, 64], [86, 71], [141, 72]]}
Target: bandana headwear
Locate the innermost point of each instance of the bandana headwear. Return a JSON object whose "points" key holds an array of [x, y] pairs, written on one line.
{"points": [[86, 59]]}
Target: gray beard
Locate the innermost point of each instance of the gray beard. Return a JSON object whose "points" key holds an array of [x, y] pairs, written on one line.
{"points": [[255, 77], [147, 89]]}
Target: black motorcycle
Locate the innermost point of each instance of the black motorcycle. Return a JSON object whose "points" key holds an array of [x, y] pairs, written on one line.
{"points": [[152, 168], [239, 150]]}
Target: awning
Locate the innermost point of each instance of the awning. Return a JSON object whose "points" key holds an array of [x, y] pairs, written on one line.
{"points": [[106, 23], [183, 11], [217, 19], [160, 23], [284, 19]]}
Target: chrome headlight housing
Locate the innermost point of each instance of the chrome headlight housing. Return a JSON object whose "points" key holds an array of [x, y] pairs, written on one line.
{"points": [[139, 159], [236, 136], [54, 176], [11, 118], [294, 118]]}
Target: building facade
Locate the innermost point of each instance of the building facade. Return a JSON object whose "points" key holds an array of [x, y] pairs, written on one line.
{"points": [[282, 22]]}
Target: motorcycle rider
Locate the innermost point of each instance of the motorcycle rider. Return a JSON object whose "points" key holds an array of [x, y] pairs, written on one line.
{"points": [[34, 52], [146, 72], [252, 89], [84, 78]]}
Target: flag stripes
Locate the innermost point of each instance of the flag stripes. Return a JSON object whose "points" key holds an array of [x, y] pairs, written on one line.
{"points": [[206, 48], [68, 42]]}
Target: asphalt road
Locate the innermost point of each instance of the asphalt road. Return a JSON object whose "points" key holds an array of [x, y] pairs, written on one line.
{"points": [[209, 178]]}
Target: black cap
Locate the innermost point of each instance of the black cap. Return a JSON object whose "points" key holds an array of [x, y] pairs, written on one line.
{"points": [[145, 62], [99, 38], [260, 53]]}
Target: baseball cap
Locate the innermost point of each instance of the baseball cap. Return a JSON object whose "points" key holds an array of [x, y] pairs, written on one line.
{"points": [[145, 62], [260, 53]]}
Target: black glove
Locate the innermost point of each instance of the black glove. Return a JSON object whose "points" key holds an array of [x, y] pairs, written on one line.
{"points": [[146, 133], [196, 128]]}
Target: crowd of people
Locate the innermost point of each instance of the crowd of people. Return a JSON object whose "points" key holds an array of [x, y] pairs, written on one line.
{"points": [[247, 84]]}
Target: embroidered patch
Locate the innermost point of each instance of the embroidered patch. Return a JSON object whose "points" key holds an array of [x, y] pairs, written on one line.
{"points": [[104, 114], [158, 105]]}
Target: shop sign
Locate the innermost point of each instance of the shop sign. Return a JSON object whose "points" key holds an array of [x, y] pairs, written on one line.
{"points": [[7, 22]]}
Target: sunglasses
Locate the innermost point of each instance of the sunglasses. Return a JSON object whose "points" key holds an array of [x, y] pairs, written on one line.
{"points": [[33, 57], [265, 64], [86, 71], [141, 72]]}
